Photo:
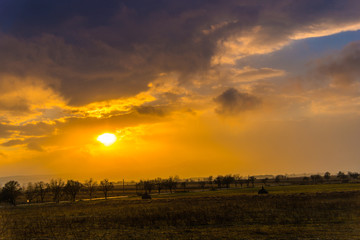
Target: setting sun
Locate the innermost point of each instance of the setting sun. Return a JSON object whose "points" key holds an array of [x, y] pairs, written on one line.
{"points": [[107, 139]]}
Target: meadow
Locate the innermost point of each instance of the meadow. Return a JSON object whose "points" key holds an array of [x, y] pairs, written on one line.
{"points": [[320, 211]]}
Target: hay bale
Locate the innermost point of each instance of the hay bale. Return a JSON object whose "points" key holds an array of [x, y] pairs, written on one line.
{"points": [[145, 196], [263, 191]]}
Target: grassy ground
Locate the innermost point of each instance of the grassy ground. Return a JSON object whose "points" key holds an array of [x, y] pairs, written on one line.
{"points": [[326, 211]]}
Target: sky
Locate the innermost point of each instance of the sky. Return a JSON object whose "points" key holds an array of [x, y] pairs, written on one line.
{"points": [[189, 88]]}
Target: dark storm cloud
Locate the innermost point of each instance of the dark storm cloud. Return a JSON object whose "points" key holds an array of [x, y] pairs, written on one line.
{"points": [[27, 130], [13, 142], [4, 131], [159, 111], [97, 50], [343, 69], [232, 102], [35, 129], [18, 106]]}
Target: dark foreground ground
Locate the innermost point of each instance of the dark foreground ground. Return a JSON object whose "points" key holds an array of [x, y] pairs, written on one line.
{"points": [[235, 214]]}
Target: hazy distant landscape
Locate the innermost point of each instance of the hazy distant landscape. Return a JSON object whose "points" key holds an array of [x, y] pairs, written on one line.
{"points": [[230, 207]]}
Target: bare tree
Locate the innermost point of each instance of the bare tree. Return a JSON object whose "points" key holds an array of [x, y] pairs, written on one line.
{"points": [[237, 179], [41, 190], [247, 181], [148, 186], [241, 182], [252, 180], [327, 176], [171, 183], [211, 181], [219, 181], [159, 183], [176, 180], [30, 192], [183, 185], [228, 180], [90, 186], [342, 176], [353, 175], [10, 192], [56, 186], [306, 180], [72, 188], [316, 178], [106, 186], [202, 185], [278, 178], [138, 187]]}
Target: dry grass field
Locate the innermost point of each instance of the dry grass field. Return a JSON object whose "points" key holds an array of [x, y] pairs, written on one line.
{"points": [[327, 211]]}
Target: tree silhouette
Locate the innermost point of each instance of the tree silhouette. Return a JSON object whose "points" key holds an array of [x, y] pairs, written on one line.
{"points": [[171, 183], [41, 190], [237, 180], [219, 180], [10, 192], [247, 181], [56, 186], [90, 186], [159, 183], [202, 185], [278, 178], [72, 188], [30, 192], [316, 178], [137, 187], [228, 180], [342, 176], [306, 179], [106, 186], [148, 186], [327, 176], [252, 180], [183, 185], [241, 182], [353, 175]]}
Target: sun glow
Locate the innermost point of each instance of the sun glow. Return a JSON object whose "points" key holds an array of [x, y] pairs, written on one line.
{"points": [[107, 139]]}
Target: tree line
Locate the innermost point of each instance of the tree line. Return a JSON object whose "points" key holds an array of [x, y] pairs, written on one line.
{"points": [[343, 177], [173, 183], [58, 189]]}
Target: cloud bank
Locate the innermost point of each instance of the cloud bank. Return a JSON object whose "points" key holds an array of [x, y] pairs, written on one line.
{"points": [[93, 50], [151, 71]]}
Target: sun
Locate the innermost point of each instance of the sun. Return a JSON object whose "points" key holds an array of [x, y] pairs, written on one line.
{"points": [[107, 139]]}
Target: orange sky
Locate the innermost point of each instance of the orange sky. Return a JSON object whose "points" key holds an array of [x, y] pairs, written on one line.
{"points": [[237, 87]]}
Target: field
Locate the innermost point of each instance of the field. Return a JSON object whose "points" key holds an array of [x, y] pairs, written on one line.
{"points": [[323, 211]]}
